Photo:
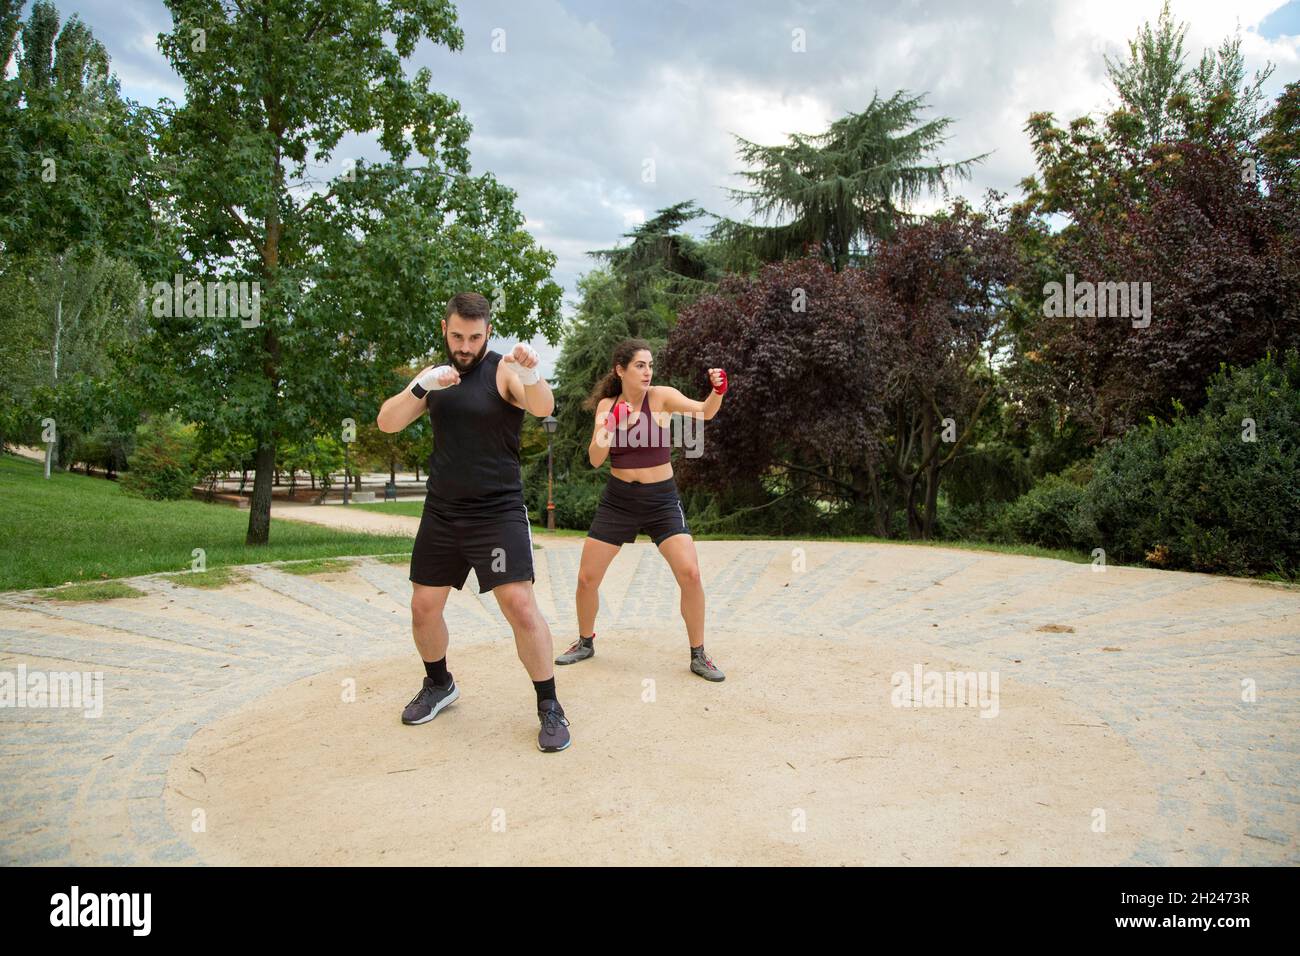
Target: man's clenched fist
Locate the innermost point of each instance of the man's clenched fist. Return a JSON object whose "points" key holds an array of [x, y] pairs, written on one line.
{"points": [[434, 378], [524, 361]]}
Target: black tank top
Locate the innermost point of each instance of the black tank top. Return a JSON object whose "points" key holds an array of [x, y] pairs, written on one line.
{"points": [[475, 459]]}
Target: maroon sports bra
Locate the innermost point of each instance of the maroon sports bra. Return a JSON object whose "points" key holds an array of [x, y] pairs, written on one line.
{"points": [[641, 445]]}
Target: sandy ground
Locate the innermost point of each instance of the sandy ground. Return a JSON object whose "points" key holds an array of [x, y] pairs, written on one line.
{"points": [[346, 518], [790, 761]]}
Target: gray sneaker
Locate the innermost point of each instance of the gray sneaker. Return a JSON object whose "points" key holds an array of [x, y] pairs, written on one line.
{"points": [[703, 665], [425, 705], [554, 735], [579, 650]]}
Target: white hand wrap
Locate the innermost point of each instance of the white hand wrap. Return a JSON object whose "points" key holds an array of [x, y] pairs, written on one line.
{"points": [[429, 380], [528, 376]]}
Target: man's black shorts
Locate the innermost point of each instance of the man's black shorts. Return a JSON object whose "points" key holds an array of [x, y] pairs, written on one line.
{"points": [[496, 541], [629, 507]]}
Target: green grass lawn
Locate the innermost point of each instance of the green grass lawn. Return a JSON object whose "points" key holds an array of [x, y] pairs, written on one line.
{"points": [[74, 528]]}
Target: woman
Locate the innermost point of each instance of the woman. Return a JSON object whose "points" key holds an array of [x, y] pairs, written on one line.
{"points": [[630, 429]]}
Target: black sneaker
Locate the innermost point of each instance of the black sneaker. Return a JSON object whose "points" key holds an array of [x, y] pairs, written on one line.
{"points": [[580, 650], [554, 735], [425, 705]]}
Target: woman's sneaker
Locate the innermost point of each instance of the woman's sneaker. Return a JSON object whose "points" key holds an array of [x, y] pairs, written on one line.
{"points": [[580, 650], [703, 665], [425, 705]]}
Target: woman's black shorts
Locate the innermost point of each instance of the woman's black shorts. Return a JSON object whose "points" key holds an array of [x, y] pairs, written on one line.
{"points": [[629, 507]]}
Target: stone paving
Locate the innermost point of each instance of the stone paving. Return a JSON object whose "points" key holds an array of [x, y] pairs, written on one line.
{"points": [[1197, 674]]}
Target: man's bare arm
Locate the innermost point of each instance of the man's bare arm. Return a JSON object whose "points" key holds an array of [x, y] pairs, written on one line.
{"points": [[525, 383]]}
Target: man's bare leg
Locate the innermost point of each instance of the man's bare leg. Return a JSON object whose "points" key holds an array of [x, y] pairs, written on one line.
{"points": [[533, 644], [430, 633], [427, 624], [532, 633]]}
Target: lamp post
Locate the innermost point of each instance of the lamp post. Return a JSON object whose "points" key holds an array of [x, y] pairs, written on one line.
{"points": [[347, 474], [549, 423]]}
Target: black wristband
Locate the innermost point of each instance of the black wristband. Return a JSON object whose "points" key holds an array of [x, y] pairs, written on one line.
{"points": [[419, 391]]}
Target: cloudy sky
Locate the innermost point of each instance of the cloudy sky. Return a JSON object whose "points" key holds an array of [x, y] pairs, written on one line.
{"points": [[585, 92]]}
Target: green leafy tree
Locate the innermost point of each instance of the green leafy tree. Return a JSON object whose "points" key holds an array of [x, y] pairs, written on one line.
{"points": [[75, 182], [1092, 168], [1167, 100], [662, 268], [1279, 146], [353, 272]]}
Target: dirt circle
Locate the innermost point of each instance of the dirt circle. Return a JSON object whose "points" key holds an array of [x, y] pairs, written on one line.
{"points": [[799, 757]]}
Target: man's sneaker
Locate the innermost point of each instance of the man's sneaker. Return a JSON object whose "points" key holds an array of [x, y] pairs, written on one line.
{"points": [[425, 705], [703, 665], [554, 734], [580, 650]]}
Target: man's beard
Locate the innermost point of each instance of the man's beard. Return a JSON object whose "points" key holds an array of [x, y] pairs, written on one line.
{"points": [[465, 365]]}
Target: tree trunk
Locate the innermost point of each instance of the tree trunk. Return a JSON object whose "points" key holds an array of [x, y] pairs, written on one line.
{"points": [[392, 470], [259, 511], [879, 509], [913, 519], [931, 499], [243, 480]]}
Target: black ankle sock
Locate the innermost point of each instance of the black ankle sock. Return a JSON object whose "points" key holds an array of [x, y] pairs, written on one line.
{"points": [[545, 690], [697, 652], [437, 671], [587, 641]]}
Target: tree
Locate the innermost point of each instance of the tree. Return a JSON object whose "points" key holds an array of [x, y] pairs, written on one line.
{"points": [[1182, 187], [848, 377], [1279, 146], [1166, 99], [1218, 260], [353, 278], [1153, 74], [800, 341], [842, 189], [1092, 168], [662, 267], [636, 292], [74, 182]]}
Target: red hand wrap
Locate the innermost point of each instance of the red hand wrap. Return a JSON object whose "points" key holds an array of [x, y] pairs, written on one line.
{"points": [[722, 390], [615, 415]]}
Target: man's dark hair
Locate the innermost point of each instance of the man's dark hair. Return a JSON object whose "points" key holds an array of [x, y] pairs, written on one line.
{"points": [[468, 305]]}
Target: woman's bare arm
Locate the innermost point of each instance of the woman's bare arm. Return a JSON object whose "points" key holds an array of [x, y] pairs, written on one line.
{"points": [[598, 450]]}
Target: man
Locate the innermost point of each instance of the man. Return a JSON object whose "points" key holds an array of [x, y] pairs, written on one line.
{"points": [[474, 513]]}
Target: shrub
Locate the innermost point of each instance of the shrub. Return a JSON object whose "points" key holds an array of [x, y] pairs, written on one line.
{"points": [[162, 465], [981, 521], [575, 503], [1047, 514], [1203, 492]]}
